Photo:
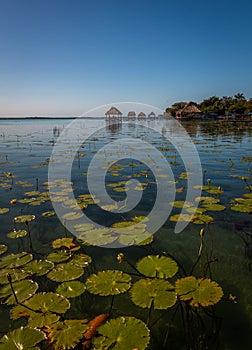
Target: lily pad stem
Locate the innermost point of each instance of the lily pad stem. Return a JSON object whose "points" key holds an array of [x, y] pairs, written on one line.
{"points": [[12, 289], [29, 236]]}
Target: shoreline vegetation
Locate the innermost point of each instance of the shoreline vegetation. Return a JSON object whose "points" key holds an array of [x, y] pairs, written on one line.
{"points": [[213, 107]]}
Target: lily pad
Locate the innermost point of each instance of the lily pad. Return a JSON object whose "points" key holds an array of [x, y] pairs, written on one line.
{"points": [[180, 218], [15, 274], [3, 248], [157, 266], [21, 338], [99, 237], [38, 267], [181, 204], [59, 256], [72, 216], [207, 200], [146, 241], [36, 319], [67, 334], [241, 208], [83, 227], [17, 233], [24, 218], [71, 289], [201, 219], [82, 260], [109, 282], [63, 242], [198, 291], [4, 210], [48, 302], [65, 272], [23, 290], [48, 213], [214, 207], [156, 292], [15, 260], [123, 333]]}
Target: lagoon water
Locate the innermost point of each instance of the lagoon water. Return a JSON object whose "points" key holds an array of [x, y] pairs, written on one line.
{"points": [[225, 152]]}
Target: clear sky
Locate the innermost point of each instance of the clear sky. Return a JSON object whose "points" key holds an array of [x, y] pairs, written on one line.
{"points": [[62, 57]]}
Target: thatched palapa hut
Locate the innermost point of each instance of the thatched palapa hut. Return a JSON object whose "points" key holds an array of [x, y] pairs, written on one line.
{"points": [[113, 112], [188, 111], [141, 115], [151, 115], [131, 114]]}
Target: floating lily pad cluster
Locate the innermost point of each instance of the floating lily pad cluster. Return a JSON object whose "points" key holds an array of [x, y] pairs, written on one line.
{"points": [[44, 311], [243, 204], [125, 233], [205, 203]]}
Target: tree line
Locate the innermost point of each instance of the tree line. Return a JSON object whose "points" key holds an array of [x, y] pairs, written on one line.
{"points": [[224, 105]]}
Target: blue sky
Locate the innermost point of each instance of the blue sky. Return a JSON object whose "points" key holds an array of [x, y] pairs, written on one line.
{"points": [[61, 57]]}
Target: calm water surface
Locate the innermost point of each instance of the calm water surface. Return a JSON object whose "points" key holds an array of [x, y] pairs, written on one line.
{"points": [[225, 152]]}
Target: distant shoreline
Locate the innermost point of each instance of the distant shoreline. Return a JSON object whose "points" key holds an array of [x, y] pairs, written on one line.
{"points": [[51, 118]]}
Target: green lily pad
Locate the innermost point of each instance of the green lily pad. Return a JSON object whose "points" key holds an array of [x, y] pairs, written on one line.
{"points": [[248, 195], [48, 302], [200, 219], [82, 260], [4, 210], [59, 256], [39, 267], [180, 218], [21, 338], [241, 208], [23, 290], [67, 334], [123, 333], [65, 272], [156, 292], [97, 237], [157, 266], [198, 291], [207, 200], [16, 275], [122, 224], [72, 216], [3, 248], [24, 218], [71, 289], [134, 237], [17, 233], [36, 319], [110, 207], [214, 207], [109, 282], [32, 193], [48, 213], [15, 260], [140, 219], [196, 211], [146, 241], [83, 227], [181, 204]]}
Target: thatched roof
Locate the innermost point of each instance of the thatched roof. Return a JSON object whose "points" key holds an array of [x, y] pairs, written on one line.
{"points": [[151, 114], [113, 111], [189, 109], [131, 114], [141, 114]]}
